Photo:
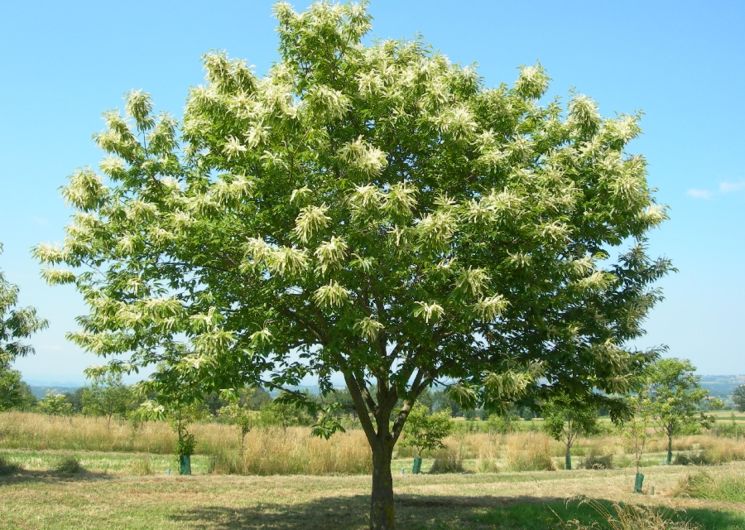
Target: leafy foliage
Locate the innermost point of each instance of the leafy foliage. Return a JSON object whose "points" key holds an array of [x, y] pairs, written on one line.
{"points": [[282, 413], [107, 396], [425, 431], [16, 324], [14, 393], [55, 404], [237, 412]]}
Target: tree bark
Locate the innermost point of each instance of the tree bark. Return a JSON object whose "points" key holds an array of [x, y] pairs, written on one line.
{"points": [[568, 457], [382, 511], [669, 449]]}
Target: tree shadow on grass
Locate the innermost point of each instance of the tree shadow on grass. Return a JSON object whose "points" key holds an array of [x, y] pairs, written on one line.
{"points": [[412, 511], [430, 512], [22, 476]]}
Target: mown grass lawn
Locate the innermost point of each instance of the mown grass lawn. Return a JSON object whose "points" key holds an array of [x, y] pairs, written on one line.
{"points": [[37, 498]]}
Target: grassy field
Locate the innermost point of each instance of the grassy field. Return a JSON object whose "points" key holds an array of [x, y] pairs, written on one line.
{"points": [[43, 499], [293, 480]]}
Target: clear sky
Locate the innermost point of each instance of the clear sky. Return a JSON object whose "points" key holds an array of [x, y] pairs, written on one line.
{"points": [[682, 63]]}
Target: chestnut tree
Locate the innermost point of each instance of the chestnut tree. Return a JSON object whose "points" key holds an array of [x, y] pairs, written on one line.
{"points": [[368, 210]]}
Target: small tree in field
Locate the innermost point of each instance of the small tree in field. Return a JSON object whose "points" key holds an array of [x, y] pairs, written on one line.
{"points": [[107, 396], [738, 396], [373, 211], [237, 412], [282, 412], [565, 419], [636, 427], [676, 399], [180, 413], [55, 404], [424, 431], [14, 393]]}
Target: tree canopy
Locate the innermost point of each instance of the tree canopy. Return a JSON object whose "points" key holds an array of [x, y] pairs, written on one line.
{"points": [[424, 431], [14, 393], [370, 210], [16, 324]]}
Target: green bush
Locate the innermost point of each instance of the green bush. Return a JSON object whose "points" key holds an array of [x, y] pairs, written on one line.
{"points": [[596, 461], [530, 460], [8, 468], [142, 466], [447, 461], [693, 459], [70, 465], [718, 488]]}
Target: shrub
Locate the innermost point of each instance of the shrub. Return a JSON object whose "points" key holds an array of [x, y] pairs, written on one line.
{"points": [[142, 466], [722, 450], [529, 453], [8, 468], [597, 461], [617, 516], [488, 465], [70, 465], [425, 431], [447, 460], [704, 486], [692, 459]]}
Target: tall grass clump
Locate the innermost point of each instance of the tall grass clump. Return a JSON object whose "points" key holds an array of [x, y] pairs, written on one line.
{"points": [[293, 451], [722, 450], [142, 466], [529, 452], [488, 454], [69, 465], [596, 460], [704, 486], [8, 468], [447, 460], [617, 516]]}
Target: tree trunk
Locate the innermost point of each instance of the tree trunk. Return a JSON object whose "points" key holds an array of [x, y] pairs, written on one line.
{"points": [[382, 512], [669, 449], [568, 457]]}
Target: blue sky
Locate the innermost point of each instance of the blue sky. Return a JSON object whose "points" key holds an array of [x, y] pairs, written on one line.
{"points": [[682, 63]]}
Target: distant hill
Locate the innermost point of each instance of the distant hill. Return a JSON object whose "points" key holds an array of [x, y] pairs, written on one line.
{"points": [[722, 386], [39, 391]]}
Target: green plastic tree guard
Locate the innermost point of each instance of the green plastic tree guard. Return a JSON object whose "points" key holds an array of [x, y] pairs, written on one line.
{"points": [[417, 468], [184, 467], [638, 483]]}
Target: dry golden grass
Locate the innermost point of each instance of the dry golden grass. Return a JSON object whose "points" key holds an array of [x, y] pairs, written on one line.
{"points": [[277, 451], [291, 451], [529, 452], [28, 430]]}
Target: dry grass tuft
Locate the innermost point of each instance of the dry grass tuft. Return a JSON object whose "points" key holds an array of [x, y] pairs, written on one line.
{"points": [[529, 452], [617, 516], [448, 460], [8, 468]]}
